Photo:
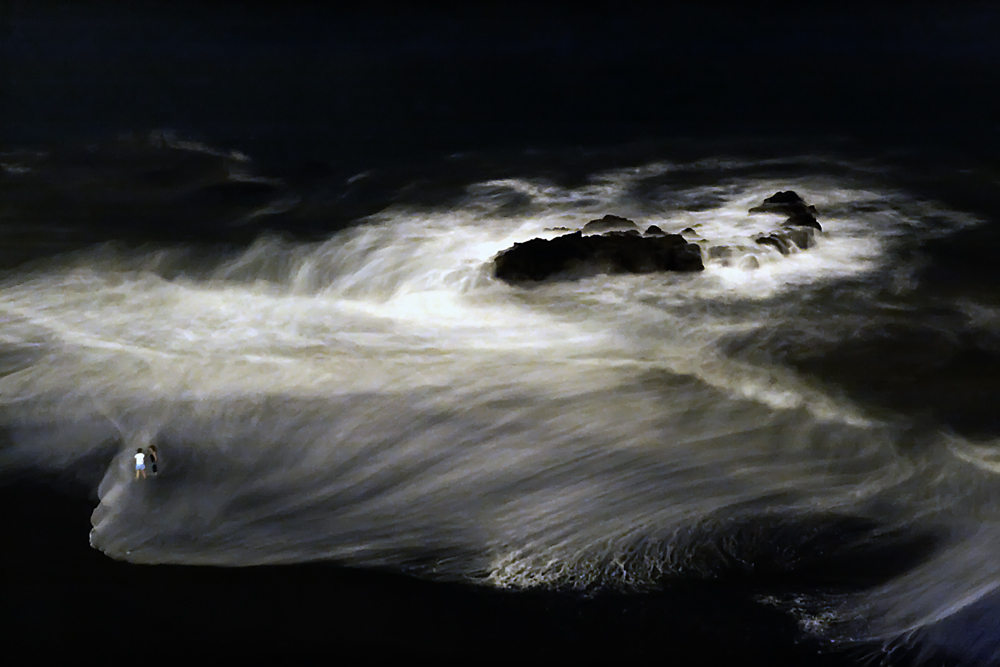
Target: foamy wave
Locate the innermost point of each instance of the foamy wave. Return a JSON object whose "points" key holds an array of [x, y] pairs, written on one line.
{"points": [[377, 399]]}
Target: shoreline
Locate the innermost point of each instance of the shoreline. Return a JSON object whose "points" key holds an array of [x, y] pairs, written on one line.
{"points": [[62, 597]]}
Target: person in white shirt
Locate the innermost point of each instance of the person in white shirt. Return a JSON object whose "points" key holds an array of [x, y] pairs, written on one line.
{"points": [[140, 466]]}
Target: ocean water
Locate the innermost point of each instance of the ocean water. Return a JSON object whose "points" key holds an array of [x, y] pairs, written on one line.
{"points": [[820, 424], [259, 236]]}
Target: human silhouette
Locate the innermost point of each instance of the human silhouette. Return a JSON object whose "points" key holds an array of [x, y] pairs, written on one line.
{"points": [[154, 457]]}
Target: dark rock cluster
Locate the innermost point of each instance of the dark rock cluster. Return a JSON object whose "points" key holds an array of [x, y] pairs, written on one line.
{"points": [[799, 228], [574, 255], [613, 244]]}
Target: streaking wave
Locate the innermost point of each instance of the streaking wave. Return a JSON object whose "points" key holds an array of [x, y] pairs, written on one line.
{"points": [[378, 400]]}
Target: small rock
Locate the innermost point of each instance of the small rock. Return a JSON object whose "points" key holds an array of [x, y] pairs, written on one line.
{"points": [[776, 242], [609, 223]]}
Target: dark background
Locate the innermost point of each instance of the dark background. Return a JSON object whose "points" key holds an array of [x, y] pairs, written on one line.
{"points": [[365, 81], [360, 85]]}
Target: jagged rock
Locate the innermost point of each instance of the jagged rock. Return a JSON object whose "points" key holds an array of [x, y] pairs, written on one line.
{"points": [[801, 237], [803, 219], [609, 223], [614, 244], [791, 204], [777, 242], [573, 255], [786, 202]]}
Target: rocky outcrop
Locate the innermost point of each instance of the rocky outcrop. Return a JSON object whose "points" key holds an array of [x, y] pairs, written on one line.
{"points": [[613, 244], [790, 204], [785, 241], [576, 255], [799, 228]]}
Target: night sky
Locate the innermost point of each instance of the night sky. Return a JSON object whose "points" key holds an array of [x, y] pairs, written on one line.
{"points": [[385, 80]]}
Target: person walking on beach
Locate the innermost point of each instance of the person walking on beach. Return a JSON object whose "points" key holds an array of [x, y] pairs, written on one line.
{"points": [[153, 457], [140, 466]]}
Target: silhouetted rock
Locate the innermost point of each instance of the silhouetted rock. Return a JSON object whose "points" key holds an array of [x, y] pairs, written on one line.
{"points": [[784, 197], [803, 237], [784, 241], [613, 244], [575, 255], [789, 203], [609, 223], [803, 219], [777, 242], [786, 202]]}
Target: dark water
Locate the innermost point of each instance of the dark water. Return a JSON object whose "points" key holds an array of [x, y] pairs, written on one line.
{"points": [[260, 239]]}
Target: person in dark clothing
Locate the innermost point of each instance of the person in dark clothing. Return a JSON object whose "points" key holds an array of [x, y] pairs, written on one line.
{"points": [[153, 457]]}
